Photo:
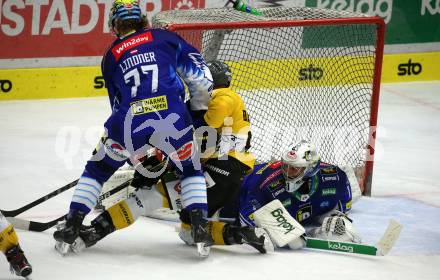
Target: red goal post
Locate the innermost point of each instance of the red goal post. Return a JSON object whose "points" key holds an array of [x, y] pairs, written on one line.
{"points": [[303, 73]]}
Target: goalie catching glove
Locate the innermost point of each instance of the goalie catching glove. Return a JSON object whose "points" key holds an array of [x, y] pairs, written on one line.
{"points": [[338, 227]]}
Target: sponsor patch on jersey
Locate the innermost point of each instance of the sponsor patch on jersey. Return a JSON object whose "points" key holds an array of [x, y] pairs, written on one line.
{"points": [[270, 177], [275, 185], [119, 49], [329, 171], [324, 204], [330, 178], [304, 197], [304, 212], [328, 191], [184, 153], [115, 150], [278, 192], [149, 105]]}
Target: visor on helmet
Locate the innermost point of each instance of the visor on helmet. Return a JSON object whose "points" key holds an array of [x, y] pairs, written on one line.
{"points": [[292, 172]]}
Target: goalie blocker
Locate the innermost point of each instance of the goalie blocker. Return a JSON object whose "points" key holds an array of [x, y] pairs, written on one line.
{"points": [[281, 227], [285, 230]]}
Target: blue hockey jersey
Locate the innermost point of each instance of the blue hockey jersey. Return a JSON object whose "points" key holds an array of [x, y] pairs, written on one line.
{"points": [[328, 189], [148, 63], [143, 73]]}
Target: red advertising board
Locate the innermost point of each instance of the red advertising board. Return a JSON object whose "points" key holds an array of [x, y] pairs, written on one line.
{"points": [[69, 28]]}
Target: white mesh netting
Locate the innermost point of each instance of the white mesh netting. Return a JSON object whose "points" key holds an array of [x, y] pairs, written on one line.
{"points": [[310, 82]]}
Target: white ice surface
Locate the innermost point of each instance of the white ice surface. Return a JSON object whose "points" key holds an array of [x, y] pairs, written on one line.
{"points": [[405, 187]]}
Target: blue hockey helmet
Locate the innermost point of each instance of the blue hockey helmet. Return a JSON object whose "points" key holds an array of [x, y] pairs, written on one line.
{"points": [[124, 10]]}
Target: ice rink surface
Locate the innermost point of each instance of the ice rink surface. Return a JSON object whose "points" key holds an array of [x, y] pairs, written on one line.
{"points": [[44, 145]]}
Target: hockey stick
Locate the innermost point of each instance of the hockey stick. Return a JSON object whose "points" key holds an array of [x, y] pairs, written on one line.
{"points": [[243, 7], [381, 249], [42, 226], [113, 191], [18, 211], [127, 183], [32, 225]]}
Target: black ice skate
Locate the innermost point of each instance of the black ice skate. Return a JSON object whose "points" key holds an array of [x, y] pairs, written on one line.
{"points": [[18, 262], [90, 235], [68, 231], [199, 232], [255, 237]]}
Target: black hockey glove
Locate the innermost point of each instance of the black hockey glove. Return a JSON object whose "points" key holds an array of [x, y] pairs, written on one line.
{"points": [[139, 181]]}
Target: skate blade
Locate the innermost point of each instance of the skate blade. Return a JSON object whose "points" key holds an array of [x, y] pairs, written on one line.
{"points": [[78, 246], [203, 250], [62, 247], [268, 244], [28, 277]]}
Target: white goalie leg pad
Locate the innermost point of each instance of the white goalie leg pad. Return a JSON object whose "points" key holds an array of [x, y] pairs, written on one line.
{"points": [[337, 228], [118, 178], [275, 219], [144, 202]]}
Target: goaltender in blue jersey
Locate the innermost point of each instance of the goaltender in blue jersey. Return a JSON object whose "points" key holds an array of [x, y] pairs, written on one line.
{"points": [[322, 188], [302, 189]]}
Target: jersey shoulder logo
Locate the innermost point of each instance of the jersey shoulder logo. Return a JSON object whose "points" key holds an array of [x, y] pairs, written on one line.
{"points": [[119, 49], [275, 165]]}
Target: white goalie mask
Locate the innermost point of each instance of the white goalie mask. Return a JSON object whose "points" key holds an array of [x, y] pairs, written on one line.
{"points": [[299, 163]]}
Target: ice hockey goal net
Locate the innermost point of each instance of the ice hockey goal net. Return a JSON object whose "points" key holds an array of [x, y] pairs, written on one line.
{"points": [[303, 73]]}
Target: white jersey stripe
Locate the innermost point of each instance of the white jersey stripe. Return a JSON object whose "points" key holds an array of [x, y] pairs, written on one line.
{"points": [[193, 191]]}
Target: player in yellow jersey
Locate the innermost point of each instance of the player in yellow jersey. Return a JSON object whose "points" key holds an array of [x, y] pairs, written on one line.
{"points": [[228, 161], [11, 248]]}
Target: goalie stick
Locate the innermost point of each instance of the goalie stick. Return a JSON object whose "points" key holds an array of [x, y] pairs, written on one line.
{"points": [[380, 249], [13, 213]]}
